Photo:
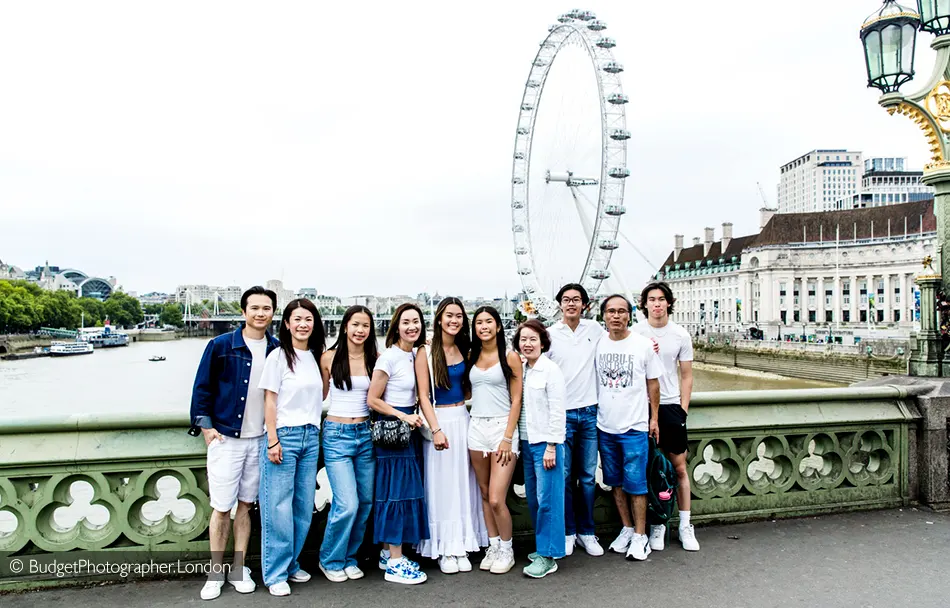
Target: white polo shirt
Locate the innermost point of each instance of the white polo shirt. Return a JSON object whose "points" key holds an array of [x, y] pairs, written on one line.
{"points": [[574, 351]]}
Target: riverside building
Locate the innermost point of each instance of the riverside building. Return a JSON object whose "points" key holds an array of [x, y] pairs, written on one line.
{"points": [[886, 182], [816, 180], [843, 276]]}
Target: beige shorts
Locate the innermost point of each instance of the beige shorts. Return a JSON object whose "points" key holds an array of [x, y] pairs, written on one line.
{"points": [[485, 434]]}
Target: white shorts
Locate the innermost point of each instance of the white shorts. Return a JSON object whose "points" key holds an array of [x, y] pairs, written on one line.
{"points": [[485, 434], [234, 471]]}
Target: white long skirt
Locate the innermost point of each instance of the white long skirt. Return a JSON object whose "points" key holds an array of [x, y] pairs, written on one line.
{"points": [[453, 500]]}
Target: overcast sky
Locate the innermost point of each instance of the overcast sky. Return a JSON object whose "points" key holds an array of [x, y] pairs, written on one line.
{"points": [[366, 148]]}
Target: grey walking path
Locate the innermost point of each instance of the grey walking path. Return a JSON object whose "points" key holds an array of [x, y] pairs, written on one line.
{"points": [[881, 559]]}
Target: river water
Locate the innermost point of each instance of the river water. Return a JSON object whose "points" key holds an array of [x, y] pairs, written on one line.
{"points": [[124, 380]]}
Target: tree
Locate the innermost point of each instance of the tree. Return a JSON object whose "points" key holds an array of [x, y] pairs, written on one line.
{"points": [[171, 315], [59, 309], [519, 316], [123, 310], [94, 311], [153, 309]]}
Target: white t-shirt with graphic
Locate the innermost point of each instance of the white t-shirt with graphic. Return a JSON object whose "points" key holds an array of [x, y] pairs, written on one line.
{"points": [[675, 345], [299, 392], [623, 367]]}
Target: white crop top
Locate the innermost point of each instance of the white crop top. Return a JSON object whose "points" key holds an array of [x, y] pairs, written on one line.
{"points": [[399, 366], [490, 395], [352, 403]]}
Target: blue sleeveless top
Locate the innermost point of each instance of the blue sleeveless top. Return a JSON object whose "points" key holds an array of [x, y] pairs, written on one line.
{"points": [[454, 394]]}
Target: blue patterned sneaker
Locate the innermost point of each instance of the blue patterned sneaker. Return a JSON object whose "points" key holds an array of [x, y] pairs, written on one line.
{"points": [[403, 571]]}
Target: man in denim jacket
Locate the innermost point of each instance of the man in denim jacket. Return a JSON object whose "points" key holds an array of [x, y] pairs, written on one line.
{"points": [[227, 408]]}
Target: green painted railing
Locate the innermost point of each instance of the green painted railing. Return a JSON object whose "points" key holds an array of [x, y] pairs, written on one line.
{"points": [[138, 482]]}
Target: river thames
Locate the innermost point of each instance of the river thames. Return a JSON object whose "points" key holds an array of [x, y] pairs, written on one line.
{"points": [[124, 380]]}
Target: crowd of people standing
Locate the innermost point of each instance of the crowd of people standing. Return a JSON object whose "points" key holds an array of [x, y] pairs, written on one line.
{"points": [[400, 443]]}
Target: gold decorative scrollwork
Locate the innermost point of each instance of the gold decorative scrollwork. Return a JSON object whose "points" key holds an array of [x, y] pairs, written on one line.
{"points": [[933, 138], [938, 104]]}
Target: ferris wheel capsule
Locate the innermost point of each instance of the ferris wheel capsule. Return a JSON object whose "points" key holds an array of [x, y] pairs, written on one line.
{"points": [[620, 134], [597, 26], [600, 275], [521, 250], [613, 67], [519, 155], [610, 244], [615, 210], [517, 205], [586, 16], [617, 99], [566, 17], [619, 172], [606, 43]]}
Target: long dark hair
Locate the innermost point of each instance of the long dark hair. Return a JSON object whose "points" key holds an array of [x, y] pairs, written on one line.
{"points": [[317, 341], [392, 334], [476, 349], [440, 368], [340, 368]]}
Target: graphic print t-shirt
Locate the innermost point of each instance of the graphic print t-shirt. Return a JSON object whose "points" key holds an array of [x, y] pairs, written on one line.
{"points": [[623, 367]]}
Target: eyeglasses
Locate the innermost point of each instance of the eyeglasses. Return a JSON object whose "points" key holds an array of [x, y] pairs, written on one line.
{"points": [[616, 312], [576, 300]]}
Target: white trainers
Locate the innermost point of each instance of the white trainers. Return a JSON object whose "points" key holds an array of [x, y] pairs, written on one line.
{"points": [[280, 589], [639, 547], [491, 554], [657, 538], [448, 564], [622, 542], [464, 564], [402, 571], [504, 561], [688, 538], [300, 576], [334, 576], [211, 590], [569, 545], [244, 583], [353, 572], [590, 544]]}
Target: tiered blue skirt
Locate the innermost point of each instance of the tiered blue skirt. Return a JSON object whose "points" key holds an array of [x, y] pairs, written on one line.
{"points": [[399, 516]]}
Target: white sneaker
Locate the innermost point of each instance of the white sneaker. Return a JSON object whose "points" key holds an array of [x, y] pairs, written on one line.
{"points": [[464, 564], [590, 544], [622, 542], [491, 554], [688, 538], [504, 561], [334, 576], [353, 572], [448, 564], [211, 590], [244, 584], [279, 589], [639, 547], [300, 576], [657, 537], [569, 545]]}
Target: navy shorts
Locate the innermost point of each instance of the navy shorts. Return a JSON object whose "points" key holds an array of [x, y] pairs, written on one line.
{"points": [[623, 459]]}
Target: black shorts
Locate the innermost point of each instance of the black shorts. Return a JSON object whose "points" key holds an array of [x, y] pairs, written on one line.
{"points": [[672, 423]]}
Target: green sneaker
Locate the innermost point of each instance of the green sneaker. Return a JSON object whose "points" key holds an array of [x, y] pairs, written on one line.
{"points": [[533, 556], [541, 567]]}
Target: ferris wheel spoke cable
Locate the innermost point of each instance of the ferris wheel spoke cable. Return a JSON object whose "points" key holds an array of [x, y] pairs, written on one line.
{"points": [[622, 235]]}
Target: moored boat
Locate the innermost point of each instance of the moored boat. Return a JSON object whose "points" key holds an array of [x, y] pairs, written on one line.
{"points": [[67, 349]]}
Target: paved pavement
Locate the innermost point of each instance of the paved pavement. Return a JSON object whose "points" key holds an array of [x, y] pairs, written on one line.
{"points": [[881, 559]]}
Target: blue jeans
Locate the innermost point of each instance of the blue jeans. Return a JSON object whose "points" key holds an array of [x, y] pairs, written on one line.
{"points": [[351, 465], [543, 488], [286, 499], [580, 469]]}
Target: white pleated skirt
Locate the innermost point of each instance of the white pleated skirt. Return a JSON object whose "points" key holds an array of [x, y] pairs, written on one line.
{"points": [[453, 500]]}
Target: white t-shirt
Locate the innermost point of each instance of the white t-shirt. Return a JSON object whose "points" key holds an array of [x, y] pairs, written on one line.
{"points": [[573, 351], [299, 392], [252, 424], [675, 345], [623, 367], [399, 366]]}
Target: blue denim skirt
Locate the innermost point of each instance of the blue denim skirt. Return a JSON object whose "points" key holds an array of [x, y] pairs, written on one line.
{"points": [[399, 514]]}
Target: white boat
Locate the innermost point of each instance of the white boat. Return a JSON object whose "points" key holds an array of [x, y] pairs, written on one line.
{"points": [[67, 349]]}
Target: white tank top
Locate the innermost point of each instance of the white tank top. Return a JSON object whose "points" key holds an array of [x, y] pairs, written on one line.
{"points": [[350, 404], [490, 396]]}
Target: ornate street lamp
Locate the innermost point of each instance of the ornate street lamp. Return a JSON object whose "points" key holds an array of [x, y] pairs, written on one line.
{"points": [[934, 16], [888, 37]]}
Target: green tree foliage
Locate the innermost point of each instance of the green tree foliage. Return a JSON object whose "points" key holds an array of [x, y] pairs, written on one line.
{"points": [[123, 310], [95, 312], [171, 315], [25, 306], [153, 309]]}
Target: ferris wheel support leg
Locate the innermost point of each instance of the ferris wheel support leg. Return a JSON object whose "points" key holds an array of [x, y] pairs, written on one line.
{"points": [[585, 221]]}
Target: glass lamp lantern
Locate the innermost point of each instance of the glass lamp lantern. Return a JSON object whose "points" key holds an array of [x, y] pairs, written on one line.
{"points": [[889, 36], [934, 16]]}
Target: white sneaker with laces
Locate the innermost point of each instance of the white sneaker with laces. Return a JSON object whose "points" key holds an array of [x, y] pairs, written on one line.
{"points": [[688, 538], [639, 547], [211, 590], [448, 564], [622, 542], [300, 576], [590, 544], [280, 589], [353, 572], [657, 538], [504, 561], [491, 554], [243, 583], [334, 576], [464, 564], [569, 545]]}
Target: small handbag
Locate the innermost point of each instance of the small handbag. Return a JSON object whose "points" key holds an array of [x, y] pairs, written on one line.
{"points": [[392, 434]]}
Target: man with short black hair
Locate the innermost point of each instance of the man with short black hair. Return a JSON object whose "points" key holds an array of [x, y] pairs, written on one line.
{"points": [[227, 409], [573, 343]]}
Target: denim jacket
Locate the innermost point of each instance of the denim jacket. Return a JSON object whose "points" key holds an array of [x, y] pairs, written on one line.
{"points": [[221, 384]]}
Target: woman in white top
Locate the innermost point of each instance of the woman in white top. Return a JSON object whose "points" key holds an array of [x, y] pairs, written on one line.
{"points": [[347, 444], [293, 403], [453, 501], [399, 514], [495, 378]]}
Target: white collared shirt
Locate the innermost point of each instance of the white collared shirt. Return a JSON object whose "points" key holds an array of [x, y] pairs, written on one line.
{"points": [[542, 408], [573, 351]]}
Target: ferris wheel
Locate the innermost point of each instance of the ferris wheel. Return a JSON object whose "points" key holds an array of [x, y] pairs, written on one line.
{"points": [[570, 162]]}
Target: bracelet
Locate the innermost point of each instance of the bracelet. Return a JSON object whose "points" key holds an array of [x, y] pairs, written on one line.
{"points": [[438, 430], [506, 439], [277, 443]]}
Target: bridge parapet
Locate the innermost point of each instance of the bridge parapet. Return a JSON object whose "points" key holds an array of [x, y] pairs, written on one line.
{"points": [[137, 484]]}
